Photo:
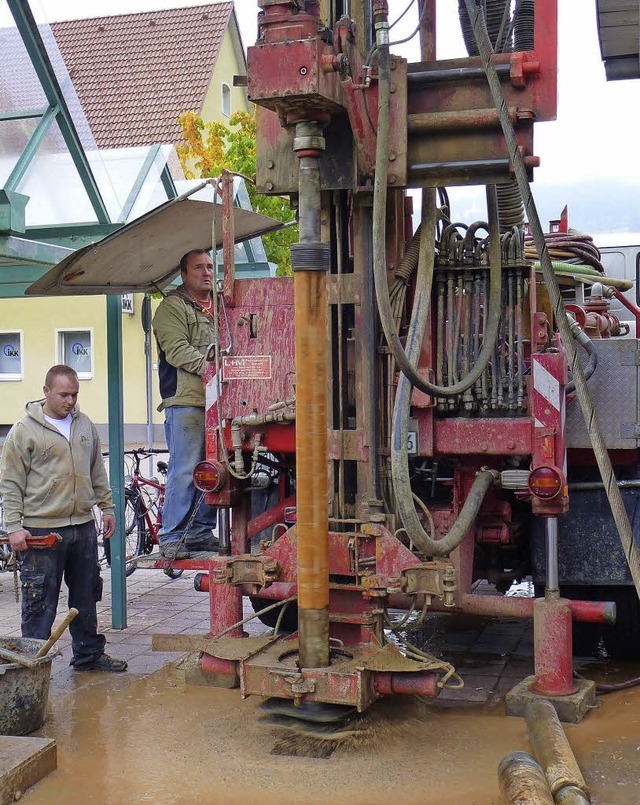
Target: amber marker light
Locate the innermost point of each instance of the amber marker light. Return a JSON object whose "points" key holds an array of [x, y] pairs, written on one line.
{"points": [[209, 476], [545, 482]]}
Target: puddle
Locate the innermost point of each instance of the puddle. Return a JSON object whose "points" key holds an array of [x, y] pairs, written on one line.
{"points": [[154, 740]]}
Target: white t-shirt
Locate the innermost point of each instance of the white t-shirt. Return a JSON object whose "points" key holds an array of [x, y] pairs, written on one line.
{"points": [[63, 425]]}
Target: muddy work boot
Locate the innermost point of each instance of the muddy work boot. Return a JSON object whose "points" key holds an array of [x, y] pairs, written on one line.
{"points": [[173, 550], [104, 663]]}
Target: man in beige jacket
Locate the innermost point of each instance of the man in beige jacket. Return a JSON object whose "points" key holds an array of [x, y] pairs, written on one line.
{"points": [[51, 476]]}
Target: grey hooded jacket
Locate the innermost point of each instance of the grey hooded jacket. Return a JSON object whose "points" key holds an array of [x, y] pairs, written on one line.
{"points": [[47, 481]]}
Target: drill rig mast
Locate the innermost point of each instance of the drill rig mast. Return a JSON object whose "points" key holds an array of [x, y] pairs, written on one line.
{"points": [[419, 422]]}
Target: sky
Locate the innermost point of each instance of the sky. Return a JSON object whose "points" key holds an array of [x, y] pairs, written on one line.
{"points": [[588, 154]]}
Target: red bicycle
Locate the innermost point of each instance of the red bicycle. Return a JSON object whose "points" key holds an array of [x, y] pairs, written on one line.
{"points": [[144, 499]]}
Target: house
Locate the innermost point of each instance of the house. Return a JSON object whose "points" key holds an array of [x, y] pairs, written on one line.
{"points": [[136, 73], [131, 76]]}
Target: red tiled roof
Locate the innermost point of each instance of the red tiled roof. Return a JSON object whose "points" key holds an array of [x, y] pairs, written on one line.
{"points": [[136, 73]]}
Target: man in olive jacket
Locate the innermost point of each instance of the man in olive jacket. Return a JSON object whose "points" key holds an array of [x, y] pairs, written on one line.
{"points": [[51, 475], [183, 326]]}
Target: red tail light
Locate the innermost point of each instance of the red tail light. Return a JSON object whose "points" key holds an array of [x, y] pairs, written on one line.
{"points": [[209, 476], [545, 482]]}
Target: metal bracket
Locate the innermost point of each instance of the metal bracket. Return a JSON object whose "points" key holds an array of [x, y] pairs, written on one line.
{"points": [[247, 569], [427, 579], [298, 685]]}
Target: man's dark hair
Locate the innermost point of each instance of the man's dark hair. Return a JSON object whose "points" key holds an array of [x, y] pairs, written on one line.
{"points": [[59, 369], [185, 257]]}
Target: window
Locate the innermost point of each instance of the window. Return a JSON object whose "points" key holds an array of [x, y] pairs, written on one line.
{"points": [[11, 351], [226, 100], [75, 349]]}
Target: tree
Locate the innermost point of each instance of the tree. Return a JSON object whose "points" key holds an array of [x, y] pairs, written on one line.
{"points": [[211, 147]]}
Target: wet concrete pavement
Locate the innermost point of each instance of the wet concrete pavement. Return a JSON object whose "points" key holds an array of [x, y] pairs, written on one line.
{"points": [[144, 736]]}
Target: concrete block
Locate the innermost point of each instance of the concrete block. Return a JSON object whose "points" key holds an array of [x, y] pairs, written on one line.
{"points": [[23, 762], [571, 709]]}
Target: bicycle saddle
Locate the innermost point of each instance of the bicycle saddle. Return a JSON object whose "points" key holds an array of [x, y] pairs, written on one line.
{"points": [[162, 466]]}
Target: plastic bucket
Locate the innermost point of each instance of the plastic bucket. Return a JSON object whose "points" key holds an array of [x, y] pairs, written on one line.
{"points": [[24, 691]]}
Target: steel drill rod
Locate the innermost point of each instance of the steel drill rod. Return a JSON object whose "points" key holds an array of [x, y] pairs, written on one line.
{"points": [[310, 297], [552, 585]]}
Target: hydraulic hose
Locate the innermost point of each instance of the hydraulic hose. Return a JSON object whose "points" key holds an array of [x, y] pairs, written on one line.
{"points": [[426, 545], [618, 510], [584, 341], [379, 249]]}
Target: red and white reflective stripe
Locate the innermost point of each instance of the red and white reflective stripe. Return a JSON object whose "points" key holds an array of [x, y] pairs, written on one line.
{"points": [[547, 406], [548, 402]]}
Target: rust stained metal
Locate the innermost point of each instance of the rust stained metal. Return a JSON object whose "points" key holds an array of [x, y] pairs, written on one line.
{"points": [[553, 648], [483, 437]]}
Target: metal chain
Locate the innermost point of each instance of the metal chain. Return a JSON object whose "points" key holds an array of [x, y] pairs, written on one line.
{"points": [[16, 583], [187, 528]]}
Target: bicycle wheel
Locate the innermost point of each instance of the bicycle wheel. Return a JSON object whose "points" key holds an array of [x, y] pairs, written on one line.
{"points": [[135, 538]]}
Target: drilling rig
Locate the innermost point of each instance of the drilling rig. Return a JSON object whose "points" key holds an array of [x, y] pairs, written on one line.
{"points": [[414, 395]]}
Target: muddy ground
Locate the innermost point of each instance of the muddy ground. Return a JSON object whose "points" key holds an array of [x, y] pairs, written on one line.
{"points": [[153, 739]]}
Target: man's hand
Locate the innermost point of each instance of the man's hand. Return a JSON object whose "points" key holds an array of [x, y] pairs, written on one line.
{"points": [[18, 540], [108, 525]]}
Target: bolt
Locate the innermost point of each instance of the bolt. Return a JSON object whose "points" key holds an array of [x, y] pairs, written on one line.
{"points": [[511, 445], [392, 157], [269, 185], [270, 164], [303, 71], [392, 178]]}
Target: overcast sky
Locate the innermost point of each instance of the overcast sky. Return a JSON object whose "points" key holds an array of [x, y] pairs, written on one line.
{"points": [[596, 134]]}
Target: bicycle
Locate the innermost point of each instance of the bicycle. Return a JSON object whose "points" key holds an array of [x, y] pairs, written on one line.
{"points": [[144, 499]]}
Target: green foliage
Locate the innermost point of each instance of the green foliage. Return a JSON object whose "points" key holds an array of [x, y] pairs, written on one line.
{"points": [[211, 147]]}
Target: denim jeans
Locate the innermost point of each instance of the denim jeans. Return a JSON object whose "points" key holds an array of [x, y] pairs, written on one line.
{"points": [[41, 573], [184, 431]]}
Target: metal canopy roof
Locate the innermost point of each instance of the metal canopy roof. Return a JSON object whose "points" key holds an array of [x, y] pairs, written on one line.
{"points": [[145, 254]]}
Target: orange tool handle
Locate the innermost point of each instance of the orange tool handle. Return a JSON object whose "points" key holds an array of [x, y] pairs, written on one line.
{"points": [[48, 541]]}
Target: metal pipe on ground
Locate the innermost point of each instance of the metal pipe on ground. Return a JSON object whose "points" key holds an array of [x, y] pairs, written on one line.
{"points": [[554, 753], [522, 781]]}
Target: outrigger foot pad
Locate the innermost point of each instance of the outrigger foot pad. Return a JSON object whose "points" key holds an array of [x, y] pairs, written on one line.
{"points": [[316, 712]]}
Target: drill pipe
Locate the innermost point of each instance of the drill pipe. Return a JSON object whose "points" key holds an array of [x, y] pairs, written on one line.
{"points": [[522, 781], [552, 749], [309, 261]]}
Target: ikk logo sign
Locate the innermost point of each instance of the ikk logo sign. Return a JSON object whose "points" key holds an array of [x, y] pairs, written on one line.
{"points": [[79, 349], [10, 351]]}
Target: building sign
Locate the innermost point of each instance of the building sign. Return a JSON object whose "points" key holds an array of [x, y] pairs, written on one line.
{"points": [[10, 355], [127, 303], [75, 347]]}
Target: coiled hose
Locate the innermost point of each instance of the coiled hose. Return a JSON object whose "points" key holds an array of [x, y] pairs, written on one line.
{"points": [[379, 250], [614, 496]]}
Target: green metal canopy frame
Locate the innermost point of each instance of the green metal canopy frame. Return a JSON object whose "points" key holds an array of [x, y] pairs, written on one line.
{"points": [[25, 254]]}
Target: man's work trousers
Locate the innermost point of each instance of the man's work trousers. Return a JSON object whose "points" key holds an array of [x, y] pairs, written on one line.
{"points": [[41, 573], [184, 431]]}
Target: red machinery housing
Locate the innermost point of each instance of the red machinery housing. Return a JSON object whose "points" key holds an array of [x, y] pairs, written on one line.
{"points": [[406, 507]]}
